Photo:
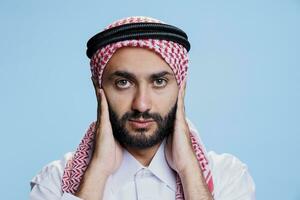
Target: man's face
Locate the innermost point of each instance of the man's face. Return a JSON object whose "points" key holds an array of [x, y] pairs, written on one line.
{"points": [[141, 91]]}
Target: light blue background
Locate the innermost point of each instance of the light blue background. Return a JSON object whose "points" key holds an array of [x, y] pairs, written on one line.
{"points": [[243, 89]]}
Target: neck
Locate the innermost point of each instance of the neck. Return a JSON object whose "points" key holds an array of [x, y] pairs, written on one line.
{"points": [[144, 156]]}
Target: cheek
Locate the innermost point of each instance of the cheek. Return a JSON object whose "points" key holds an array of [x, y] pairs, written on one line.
{"points": [[119, 102], [165, 101]]}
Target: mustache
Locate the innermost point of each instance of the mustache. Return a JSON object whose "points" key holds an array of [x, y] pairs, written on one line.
{"points": [[145, 115]]}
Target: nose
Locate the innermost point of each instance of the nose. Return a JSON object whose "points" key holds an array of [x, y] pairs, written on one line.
{"points": [[142, 100]]}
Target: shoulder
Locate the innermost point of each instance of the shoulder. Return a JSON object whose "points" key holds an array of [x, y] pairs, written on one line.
{"points": [[232, 179], [50, 176]]}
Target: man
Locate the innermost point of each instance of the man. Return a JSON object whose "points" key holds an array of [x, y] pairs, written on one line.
{"points": [[141, 146]]}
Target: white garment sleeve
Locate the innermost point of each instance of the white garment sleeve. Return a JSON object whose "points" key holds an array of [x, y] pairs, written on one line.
{"points": [[46, 185], [231, 177], [39, 192]]}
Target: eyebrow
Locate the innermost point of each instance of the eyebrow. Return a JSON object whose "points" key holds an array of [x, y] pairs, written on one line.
{"points": [[123, 74], [160, 74], [131, 76]]}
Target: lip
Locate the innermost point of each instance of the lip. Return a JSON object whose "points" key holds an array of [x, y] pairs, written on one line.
{"points": [[137, 124]]}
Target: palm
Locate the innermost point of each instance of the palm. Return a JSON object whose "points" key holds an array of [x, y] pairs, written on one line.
{"points": [[107, 150], [178, 149]]}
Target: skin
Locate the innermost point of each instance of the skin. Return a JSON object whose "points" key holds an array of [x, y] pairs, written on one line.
{"points": [[142, 91]]}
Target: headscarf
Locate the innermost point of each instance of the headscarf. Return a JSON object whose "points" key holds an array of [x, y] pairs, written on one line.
{"points": [[177, 58], [173, 53]]}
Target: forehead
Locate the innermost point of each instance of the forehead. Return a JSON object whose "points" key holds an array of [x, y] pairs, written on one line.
{"points": [[139, 61]]}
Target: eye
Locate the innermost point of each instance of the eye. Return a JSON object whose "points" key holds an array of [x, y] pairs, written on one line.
{"points": [[122, 83], [160, 82]]}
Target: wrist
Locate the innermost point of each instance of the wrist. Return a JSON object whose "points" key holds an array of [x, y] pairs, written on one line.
{"points": [[190, 168], [193, 182], [98, 167], [93, 182]]}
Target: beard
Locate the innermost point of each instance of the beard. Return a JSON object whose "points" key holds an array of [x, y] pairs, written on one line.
{"points": [[139, 140]]}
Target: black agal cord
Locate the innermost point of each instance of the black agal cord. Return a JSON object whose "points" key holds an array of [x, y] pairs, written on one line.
{"points": [[137, 31]]}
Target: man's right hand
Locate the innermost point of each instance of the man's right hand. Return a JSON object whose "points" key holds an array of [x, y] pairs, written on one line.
{"points": [[108, 152], [107, 156]]}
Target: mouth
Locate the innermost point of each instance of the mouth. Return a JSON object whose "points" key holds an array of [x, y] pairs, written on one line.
{"points": [[141, 123]]}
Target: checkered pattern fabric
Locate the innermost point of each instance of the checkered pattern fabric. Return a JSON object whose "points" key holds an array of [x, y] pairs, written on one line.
{"points": [[173, 53]]}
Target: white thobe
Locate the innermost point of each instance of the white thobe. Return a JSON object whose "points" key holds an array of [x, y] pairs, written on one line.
{"points": [[132, 180]]}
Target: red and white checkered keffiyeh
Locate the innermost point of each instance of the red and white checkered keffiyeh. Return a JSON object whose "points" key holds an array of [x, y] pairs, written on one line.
{"points": [[176, 56], [173, 53]]}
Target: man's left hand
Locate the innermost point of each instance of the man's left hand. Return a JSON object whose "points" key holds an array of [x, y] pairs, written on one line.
{"points": [[180, 156], [179, 151]]}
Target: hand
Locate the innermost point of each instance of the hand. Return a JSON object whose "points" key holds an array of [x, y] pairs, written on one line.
{"points": [[180, 156], [179, 152], [107, 155], [108, 152]]}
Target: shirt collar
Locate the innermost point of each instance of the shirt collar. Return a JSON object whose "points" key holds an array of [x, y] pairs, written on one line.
{"points": [[158, 166], [126, 171]]}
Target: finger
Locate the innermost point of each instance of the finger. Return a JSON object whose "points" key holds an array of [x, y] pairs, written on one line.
{"points": [[184, 87], [96, 87], [97, 92], [183, 95], [180, 114], [104, 115]]}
